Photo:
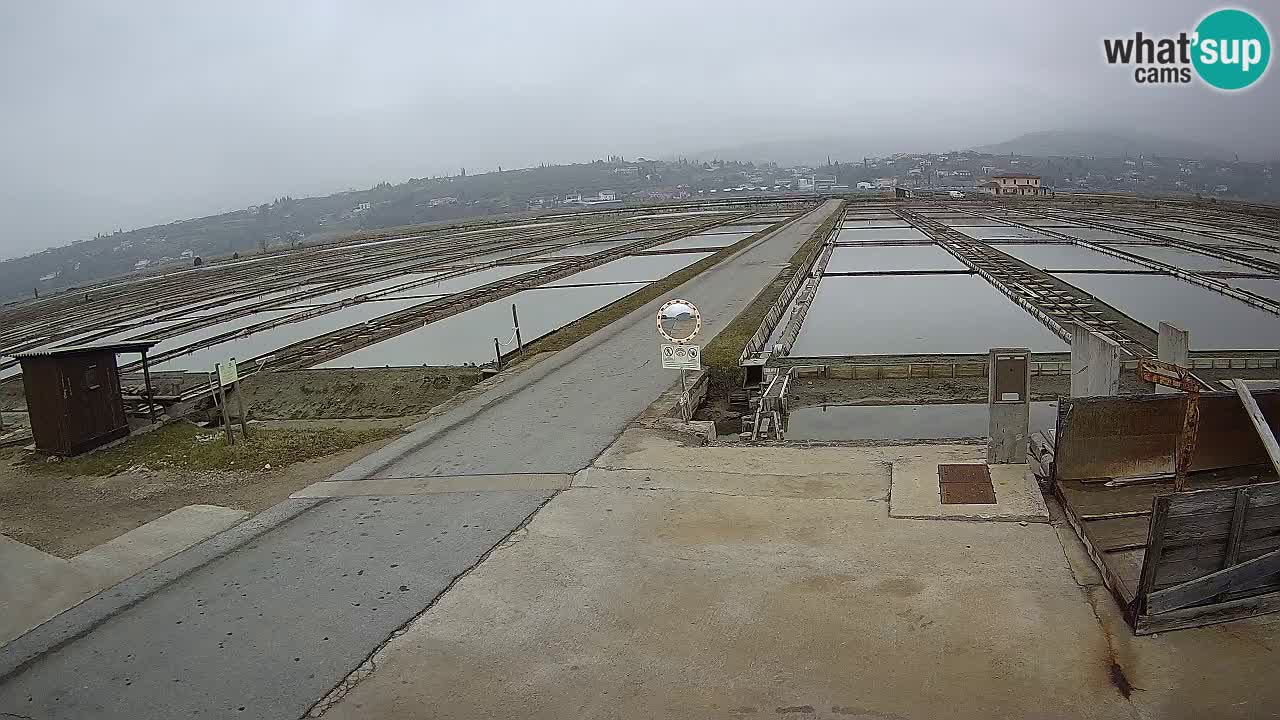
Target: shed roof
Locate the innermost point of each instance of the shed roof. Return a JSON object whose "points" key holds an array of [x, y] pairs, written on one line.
{"points": [[120, 347]]}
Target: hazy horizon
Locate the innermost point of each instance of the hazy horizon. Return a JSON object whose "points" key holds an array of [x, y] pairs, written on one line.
{"points": [[134, 115]]}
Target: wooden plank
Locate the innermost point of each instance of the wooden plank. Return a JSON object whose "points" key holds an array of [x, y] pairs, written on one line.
{"points": [[1201, 560], [1207, 614], [1155, 545], [1259, 423], [1216, 526], [1124, 436], [1121, 588], [1122, 533], [1093, 498], [1126, 565], [1180, 596], [1195, 502], [1236, 533]]}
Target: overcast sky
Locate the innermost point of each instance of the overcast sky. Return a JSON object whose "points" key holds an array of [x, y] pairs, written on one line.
{"points": [[125, 114]]}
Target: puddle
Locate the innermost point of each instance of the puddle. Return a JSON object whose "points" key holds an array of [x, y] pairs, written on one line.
{"points": [[705, 240], [269, 340], [1185, 259], [1258, 286], [910, 314], [204, 309], [460, 283], [890, 258], [1051, 256], [989, 232], [193, 336], [590, 248], [640, 268], [1215, 321], [744, 230], [1268, 255], [468, 336], [903, 422], [1098, 234], [357, 290], [864, 224], [892, 234]]}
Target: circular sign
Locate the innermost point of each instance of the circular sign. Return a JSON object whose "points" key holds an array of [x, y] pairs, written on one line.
{"points": [[679, 321], [1232, 49]]}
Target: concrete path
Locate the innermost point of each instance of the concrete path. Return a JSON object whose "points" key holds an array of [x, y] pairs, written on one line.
{"points": [[276, 619], [39, 586], [771, 582]]}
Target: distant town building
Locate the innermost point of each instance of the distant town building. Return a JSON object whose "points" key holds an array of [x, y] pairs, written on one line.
{"points": [[437, 202], [361, 207], [604, 196], [1014, 184], [865, 186]]}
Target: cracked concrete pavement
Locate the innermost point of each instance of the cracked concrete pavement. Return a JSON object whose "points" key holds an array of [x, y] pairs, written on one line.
{"points": [[267, 625]]}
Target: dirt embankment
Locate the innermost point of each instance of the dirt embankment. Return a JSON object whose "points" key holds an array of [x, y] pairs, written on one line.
{"points": [[362, 393], [305, 426], [66, 506], [807, 391]]}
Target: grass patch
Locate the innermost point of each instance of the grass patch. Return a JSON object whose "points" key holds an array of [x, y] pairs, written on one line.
{"points": [[183, 446], [584, 326], [720, 357]]}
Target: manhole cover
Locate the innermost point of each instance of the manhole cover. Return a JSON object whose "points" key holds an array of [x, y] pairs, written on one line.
{"points": [[971, 473], [966, 484]]}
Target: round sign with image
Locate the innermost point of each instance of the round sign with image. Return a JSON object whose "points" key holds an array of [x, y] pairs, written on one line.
{"points": [[679, 321]]}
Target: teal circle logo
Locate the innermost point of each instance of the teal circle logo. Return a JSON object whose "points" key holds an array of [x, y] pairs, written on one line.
{"points": [[1232, 49]]}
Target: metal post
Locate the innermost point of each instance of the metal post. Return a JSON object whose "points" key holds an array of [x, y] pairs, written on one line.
{"points": [[244, 421], [684, 398], [515, 319], [222, 398], [497, 353], [146, 380]]}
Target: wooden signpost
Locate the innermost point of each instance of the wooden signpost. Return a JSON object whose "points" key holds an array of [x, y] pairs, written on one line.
{"points": [[229, 384]]}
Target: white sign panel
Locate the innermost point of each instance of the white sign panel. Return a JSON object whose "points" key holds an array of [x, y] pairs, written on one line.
{"points": [[227, 374], [681, 357]]}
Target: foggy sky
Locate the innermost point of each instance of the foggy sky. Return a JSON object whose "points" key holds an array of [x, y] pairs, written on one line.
{"points": [[126, 114]]}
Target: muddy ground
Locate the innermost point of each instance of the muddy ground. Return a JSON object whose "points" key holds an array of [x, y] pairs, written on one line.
{"points": [[305, 425], [362, 393], [809, 391], [65, 507], [302, 394]]}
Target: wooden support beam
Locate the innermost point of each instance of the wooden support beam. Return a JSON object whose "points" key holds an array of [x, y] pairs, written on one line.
{"points": [[1180, 596], [1155, 546], [1259, 422]]}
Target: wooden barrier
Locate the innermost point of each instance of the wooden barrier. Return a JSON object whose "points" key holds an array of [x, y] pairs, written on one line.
{"points": [[1174, 559]]}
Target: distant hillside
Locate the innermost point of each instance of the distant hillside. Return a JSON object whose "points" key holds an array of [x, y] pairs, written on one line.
{"points": [[1068, 143], [288, 222]]}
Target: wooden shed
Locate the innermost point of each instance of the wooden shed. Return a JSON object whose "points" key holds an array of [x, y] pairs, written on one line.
{"points": [[73, 395]]}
